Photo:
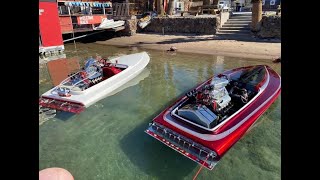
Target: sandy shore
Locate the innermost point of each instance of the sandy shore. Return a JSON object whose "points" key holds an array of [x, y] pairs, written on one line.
{"points": [[208, 44]]}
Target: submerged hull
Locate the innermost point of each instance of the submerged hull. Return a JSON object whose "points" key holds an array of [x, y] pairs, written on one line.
{"points": [[135, 62], [208, 147]]}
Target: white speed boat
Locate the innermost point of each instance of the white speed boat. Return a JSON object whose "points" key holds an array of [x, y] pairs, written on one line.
{"points": [[98, 79], [108, 24]]}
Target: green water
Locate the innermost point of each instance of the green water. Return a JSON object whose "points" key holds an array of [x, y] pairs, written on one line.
{"points": [[107, 140]]}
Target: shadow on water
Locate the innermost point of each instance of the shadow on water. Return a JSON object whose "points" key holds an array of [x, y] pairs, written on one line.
{"points": [[64, 116], [269, 113], [116, 126], [99, 36], [153, 157]]}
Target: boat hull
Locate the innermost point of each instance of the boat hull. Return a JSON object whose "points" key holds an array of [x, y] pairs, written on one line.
{"points": [[113, 24], [143, 24], [224, 137], [136, 63]]}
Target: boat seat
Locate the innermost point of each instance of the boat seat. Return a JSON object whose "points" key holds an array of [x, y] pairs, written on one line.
{"points": [[110, 71]]}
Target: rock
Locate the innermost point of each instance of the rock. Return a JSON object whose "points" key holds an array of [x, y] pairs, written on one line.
{"points": [[172, 48], [277, 60]]}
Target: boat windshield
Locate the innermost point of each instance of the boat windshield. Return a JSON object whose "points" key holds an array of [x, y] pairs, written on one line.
{"points": [[253, 76]]}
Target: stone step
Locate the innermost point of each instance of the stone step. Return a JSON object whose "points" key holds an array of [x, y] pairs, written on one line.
{"points": [[239, 20], [234, 34], [234, 19], [234, 28], [241, 13], [240, 17], [236, 25], [234, 31]]}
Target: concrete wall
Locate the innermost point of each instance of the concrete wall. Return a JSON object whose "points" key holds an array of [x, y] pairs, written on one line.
{"points": [[130, 28], [199, 25], [270, 27], [224, 16]]}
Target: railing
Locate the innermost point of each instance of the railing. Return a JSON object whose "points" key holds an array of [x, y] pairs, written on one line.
{"points": [[77, 10], [117, 9], [183, 145]]}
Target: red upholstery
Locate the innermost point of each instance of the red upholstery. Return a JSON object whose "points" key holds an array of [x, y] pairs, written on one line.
{"points": [[110, 71]]}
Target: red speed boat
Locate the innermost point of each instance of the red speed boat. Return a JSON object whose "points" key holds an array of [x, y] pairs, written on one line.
{"points": [[205, 123]]}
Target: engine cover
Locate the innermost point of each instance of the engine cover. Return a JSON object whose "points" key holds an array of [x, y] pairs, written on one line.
{"points": [[198, 114]]}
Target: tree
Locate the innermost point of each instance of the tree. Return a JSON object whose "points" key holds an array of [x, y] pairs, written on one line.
{"points": [[206, 2], [170, 7], [160, 7], [256, 14], [151, 5], [215, 2]]}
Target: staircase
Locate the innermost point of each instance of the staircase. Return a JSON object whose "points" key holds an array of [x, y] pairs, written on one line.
{"points": [[238, 25]]}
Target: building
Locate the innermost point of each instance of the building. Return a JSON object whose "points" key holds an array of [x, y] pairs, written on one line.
{"points": [[270, 4], [50, 36], [82, 15], [57, 17]]}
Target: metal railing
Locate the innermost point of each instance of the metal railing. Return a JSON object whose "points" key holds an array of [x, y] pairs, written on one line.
{"points": [[77, 10], [202, 153]]}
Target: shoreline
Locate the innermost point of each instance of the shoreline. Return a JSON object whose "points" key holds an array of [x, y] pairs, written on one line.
{"points": [[206, 44]]}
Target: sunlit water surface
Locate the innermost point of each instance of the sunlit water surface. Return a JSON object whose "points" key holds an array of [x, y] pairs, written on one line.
{"points": [[107, 140]]}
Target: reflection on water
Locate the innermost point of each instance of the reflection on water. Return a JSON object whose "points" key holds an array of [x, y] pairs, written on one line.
{"points": [[60, 69], [107, 141]]}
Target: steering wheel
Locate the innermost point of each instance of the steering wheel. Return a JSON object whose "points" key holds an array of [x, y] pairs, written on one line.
{"points": [[244, 99], [244, 96]]}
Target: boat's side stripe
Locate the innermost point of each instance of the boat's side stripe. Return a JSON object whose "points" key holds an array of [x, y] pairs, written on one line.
{"points": [[214, 137]]}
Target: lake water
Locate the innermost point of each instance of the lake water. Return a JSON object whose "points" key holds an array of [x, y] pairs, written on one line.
{"points": [[107, 140]]}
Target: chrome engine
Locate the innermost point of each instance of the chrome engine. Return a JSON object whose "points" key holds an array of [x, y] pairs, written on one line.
{"points": [[209, 105], [219, 94], [93, 70], [214, 94], [81, 80]]}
